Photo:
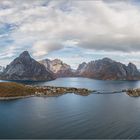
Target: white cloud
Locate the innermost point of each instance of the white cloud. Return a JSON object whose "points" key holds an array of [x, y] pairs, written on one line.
{"points": [[95, 24], [45, 26], [41, 48]]}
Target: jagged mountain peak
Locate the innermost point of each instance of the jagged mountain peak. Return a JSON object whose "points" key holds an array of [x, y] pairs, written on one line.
{"points": [[24, 54], [108, 69], [131, 64], [107, 59], [57, 60], [58, 67], [26, 68]]}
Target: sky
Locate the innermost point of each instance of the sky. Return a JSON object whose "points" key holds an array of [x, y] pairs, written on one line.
{"points": [[71, 30]]}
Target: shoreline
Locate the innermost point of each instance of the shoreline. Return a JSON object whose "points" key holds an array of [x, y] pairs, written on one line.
{"points": [[14, 98], [11, 90]]}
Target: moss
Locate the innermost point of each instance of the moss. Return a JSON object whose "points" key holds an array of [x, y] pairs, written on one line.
{"points": [[11, 89]]}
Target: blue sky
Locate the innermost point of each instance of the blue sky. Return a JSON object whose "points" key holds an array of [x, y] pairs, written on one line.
{"points": [[74, 31]]}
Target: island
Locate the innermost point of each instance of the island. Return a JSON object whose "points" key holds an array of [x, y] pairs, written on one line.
{"points": [[133, 92], [12, 90]]}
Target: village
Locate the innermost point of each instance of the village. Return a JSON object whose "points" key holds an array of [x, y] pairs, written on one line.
{"points": [[56, 91]]}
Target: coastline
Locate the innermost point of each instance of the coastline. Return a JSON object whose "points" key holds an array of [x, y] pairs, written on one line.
{"points": [[11, 90], [17, 97]]}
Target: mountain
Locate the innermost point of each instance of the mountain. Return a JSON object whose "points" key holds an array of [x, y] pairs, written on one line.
{"points": [[26, 68], [59, 68], [1, 69], [108, 69], [81, 68]]}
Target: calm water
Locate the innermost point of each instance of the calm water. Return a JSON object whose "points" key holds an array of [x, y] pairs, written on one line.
{"points": [[73, 116]]}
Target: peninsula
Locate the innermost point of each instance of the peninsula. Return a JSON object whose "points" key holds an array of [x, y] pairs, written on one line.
{"points": [[12, 90]]}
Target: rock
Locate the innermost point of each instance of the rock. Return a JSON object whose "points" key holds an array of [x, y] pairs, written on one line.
{"points": [[2, 69], [26, 68], [133, 92], [81, 68], [107, 69], [59, 68], [132, 72]]}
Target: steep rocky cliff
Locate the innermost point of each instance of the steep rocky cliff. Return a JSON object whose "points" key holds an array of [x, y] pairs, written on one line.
{"points": [[59, 68], [2, 69], [108, 69], [26, 68]]}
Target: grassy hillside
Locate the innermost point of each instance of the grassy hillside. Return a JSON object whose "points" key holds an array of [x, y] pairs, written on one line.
{"points": [[10, 89]]}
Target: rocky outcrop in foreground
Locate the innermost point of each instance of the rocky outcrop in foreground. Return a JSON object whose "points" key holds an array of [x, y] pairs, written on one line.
{"points": [[26, 68], [133, 92], [11, 90]]}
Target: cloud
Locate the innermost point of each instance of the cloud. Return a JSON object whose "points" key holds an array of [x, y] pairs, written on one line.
{"points": [[95, 24], [41, 48], [43, 26]]}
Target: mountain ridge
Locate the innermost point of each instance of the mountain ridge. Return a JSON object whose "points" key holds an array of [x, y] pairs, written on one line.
{"points": [[108, 69], [58, 67], [24, 67]]}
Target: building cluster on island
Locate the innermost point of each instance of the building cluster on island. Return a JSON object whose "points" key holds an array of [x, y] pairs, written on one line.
{"points": [[56, 91], [25, 67], [133, 92], [12, 90]]}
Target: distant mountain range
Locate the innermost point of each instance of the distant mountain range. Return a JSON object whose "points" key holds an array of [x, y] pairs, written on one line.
{"points": [[59, 68], [25, 67], [107, 69]]}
